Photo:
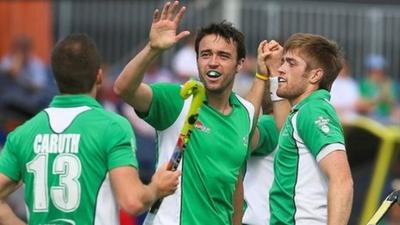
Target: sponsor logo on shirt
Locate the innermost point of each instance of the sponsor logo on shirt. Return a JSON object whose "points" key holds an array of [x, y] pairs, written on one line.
{"points": [[199, 125], [323, 124]]}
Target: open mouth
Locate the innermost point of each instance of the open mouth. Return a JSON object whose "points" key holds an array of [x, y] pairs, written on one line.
{"points": [[281, 80], [213, 74]]}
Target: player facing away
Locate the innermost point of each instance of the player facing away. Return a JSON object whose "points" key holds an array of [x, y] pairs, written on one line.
{"points": [[313, 183], [219, 143], [77, 160]]}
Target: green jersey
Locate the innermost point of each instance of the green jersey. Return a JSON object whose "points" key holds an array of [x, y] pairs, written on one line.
{"points": [[63, 156], [299, 191], [213, 159], [260, 174]]}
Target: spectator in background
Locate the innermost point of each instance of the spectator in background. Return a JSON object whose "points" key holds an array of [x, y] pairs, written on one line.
{"points": [[105, 95], [345, 95], [23, 79], [22, 94], [158, 73], [184, 63], [378, 91]]}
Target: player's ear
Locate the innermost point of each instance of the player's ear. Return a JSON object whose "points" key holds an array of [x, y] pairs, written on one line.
{"points": [[316, 75], [239, 65], [99, 77]]}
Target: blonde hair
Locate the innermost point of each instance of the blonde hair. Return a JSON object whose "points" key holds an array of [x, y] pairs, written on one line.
{"points": [[318, 52]]}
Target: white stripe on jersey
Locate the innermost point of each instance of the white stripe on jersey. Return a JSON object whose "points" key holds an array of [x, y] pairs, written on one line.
{"points": [[169, 212], [106, 205], [311, 186], [250, 109], [257, 184]]}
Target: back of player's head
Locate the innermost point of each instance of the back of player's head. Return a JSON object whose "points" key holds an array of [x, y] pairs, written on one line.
{"points": [[318, 52], [225, 30], [75, 62]]}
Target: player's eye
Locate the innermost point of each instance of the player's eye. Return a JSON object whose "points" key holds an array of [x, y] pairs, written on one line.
{"points": [[205, 54]]}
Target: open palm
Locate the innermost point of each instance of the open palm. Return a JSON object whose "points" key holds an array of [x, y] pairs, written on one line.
{"points": [[163, 32]]}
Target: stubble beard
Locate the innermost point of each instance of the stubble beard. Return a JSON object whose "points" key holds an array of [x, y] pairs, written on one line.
{"points": [[222, 88], [289, 93]]}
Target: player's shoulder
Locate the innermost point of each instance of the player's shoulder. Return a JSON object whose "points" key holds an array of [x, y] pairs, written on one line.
{"points": [[245, 103], [316, 110], [113, 119], [317, 105], [35, 121], [29, 125], [166, 86]]}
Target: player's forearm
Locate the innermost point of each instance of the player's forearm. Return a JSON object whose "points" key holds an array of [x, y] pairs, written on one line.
{"points": [[255, 95], [152, 194], [238, 202], [148, 197], [131, 77], [340, 200], [138, 201], [7, 216]]}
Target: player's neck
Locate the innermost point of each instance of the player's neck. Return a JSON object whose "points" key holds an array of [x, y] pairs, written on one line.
{"points": [[220, 101], [301, 97]]}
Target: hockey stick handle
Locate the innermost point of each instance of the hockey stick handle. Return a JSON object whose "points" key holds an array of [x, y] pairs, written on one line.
{"points": [[197, 90], [384, 207]]}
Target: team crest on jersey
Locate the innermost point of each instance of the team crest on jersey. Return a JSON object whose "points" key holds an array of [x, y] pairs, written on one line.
{"points": [[199, 125], [323, 124]]}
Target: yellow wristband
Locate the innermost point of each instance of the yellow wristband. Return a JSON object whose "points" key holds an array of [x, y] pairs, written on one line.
{"points": [[262, 77]]}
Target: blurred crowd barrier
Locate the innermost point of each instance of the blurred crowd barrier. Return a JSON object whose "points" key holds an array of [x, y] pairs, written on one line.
{"points": [[373, 151], [120, 27]]}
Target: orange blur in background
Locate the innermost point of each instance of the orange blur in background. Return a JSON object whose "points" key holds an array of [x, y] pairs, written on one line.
{"points": [[30, 18]]}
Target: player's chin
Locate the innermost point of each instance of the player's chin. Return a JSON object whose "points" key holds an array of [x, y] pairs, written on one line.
{"points": [[281, 93], [214, 87], [211, 84]]}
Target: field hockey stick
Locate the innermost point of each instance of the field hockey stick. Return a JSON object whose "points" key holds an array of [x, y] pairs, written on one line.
{"points": [[196, 89], [385, 206]]}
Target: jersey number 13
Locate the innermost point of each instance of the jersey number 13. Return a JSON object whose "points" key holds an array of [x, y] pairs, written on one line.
{"points": [[65, 196]]}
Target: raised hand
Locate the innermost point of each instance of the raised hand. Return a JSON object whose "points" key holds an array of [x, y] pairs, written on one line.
{"points": [[274, 59], [261, 58], [163, 32]]}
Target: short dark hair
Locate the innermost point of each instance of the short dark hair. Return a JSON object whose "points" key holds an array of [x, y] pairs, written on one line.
{"points": [[318, 51], [225, 30], [75, 62]]}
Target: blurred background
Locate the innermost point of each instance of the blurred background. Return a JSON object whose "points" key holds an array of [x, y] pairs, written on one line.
{"points": [[366, 94]]}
